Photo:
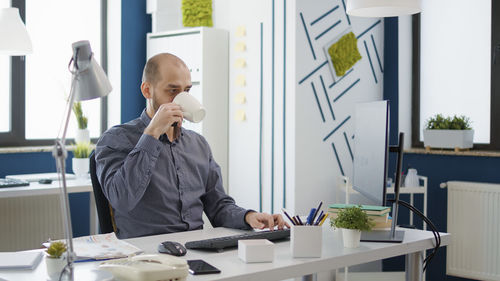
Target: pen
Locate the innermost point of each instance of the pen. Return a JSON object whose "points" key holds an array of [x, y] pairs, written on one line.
{"points": [[319, 218], [283, 210], [317, 210], [300, 221], [323, 219], [310, 218]]}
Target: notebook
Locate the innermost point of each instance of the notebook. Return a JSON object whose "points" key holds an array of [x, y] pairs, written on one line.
{"points": [[20, 260]]}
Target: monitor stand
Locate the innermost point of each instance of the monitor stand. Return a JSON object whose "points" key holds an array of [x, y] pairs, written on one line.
{"points": [[392, 236]]}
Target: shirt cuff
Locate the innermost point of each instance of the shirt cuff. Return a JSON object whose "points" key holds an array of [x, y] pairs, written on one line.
{"points": [[149, 144], [244, 221]]}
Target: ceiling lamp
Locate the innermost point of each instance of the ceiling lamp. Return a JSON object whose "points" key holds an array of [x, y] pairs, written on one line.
{"points": [[382, 8]]}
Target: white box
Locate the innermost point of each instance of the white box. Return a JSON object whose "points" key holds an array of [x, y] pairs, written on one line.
{"points": [[256, 250], [306, 241]]}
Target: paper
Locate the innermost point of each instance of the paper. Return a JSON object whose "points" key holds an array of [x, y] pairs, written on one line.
{"points": [[240, 63], [20, 260], [241, 98], [240, 46], [102, 246], [240, 115], [241, 31], [241, 80]]}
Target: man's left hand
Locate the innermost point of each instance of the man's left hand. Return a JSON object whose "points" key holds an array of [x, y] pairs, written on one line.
{"points": [[264, 220]]}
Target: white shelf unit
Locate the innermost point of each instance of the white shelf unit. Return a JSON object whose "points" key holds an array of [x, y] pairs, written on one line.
{"points": [[205, 52]]}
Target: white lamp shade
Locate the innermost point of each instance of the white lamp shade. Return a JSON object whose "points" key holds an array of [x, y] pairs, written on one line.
{"points": [[91, 81], [382, 8], [14, 39]]}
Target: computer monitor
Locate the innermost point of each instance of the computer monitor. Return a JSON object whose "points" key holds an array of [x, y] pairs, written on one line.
{"points": [[371, 151]]}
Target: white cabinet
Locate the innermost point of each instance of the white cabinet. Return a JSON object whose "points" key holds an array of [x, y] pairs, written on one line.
{"points": [[205, 52]]}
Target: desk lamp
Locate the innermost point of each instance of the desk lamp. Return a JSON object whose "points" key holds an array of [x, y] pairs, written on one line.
{"points": [[14, 39], [88, 82]]}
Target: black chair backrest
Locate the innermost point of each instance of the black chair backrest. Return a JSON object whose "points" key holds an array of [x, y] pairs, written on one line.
{"points": [[101, 202]]}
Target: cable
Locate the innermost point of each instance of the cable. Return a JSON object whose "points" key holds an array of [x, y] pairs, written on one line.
{"points": [[434, 230]]}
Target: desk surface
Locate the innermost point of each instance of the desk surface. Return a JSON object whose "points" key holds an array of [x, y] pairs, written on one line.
{"points": [[284, 266], [35, 188]]}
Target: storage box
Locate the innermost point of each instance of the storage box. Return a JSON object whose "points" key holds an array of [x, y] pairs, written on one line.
{"points": [[306, 241], [256, 250]]}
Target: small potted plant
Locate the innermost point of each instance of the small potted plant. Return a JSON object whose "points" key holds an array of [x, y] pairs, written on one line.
{"points": [[54, 259], [80, 159], [352, 221], [82, 134], [448, 132]]}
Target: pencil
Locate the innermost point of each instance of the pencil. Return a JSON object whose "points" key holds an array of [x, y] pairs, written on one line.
{"points": [[316, 212], [283, 210], [323, 219]]}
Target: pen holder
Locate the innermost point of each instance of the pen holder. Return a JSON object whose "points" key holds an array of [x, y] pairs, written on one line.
{"points": [[306, 241]]}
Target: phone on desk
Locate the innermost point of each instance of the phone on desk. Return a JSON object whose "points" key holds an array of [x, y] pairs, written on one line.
{"points": [[147, 268], [197, 267]]}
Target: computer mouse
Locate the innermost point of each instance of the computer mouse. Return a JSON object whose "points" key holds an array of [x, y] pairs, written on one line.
{"points": [[45, 181], [172, 248]]}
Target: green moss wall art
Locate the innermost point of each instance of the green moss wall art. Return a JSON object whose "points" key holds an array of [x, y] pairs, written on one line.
{"points": [[197, 13], [344, 53]]}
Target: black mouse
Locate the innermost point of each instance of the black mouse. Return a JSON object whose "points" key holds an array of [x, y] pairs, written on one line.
{"points": [[45, 181], [172, 248]]}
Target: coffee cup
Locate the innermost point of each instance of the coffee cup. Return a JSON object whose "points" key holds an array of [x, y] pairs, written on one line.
{"points": [[191, 108]]}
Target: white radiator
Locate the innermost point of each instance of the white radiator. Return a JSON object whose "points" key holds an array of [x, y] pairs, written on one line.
{"points": [[474, 224], [26, 222]]}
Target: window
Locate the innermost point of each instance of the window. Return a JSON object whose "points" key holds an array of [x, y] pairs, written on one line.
{"points": [[43, 80], [453, 67], [4, 86]]}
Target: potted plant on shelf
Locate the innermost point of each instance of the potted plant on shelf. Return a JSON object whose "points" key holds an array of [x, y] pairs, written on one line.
{"points": [[54, 259], [82, 134], [447, 132], [352, 221], [80, 159]]}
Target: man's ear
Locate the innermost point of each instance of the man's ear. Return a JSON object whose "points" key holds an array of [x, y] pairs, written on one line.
{"points": [[146, 89]]}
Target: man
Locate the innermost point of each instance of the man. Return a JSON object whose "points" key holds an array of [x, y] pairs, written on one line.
{"points": [[159, 177]]}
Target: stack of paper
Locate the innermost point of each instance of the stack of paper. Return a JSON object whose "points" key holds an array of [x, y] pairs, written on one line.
{"points": [[20, 260], [379, 215]]}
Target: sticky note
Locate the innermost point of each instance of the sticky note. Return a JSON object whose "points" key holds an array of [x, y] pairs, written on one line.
{"points": [[241, 80], [240, 115], [240, 46], [241, 31], [240, 63], [241, 98]]}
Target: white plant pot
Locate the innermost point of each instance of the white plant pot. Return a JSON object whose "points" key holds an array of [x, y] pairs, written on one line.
{"points": [[81, 167], [82, 135], [351, 237], [54, 266], [448, 138]]}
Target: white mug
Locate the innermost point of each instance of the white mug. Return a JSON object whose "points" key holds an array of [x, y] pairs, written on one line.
{"points": [[191, 107]]}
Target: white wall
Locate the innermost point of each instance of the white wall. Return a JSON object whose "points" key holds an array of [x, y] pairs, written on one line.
{"points": [[405, 76]]}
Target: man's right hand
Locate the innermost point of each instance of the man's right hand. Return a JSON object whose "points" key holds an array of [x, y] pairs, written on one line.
{"points": [[166, 115]]}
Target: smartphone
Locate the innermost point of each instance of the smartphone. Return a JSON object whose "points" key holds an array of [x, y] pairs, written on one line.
{"points": [[197, 267]]}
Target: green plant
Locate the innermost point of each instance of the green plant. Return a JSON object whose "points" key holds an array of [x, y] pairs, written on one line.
{"points": [[352, 218], [82, 150], [439, 122], [80, 118], [56, 249]]}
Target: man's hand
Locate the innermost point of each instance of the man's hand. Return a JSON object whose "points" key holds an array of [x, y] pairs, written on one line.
{"points": [[166, 115], [264, 220]]}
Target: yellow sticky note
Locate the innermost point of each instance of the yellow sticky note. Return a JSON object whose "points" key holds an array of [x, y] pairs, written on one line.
{"points": [[240, 46], [241, 31], [241, 80], [241, 98], [240, 115], [240, 63]]}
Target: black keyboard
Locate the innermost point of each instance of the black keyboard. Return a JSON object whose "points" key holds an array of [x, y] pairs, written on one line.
{"points": [[220, 243], [12, 183]]}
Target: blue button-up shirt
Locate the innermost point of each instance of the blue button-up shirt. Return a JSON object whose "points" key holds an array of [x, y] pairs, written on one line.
{"points": [[157, 186]]}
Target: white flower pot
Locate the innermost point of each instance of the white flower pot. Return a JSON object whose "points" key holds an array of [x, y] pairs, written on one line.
{"points": [[448, 138], [81, 167], [351, 237], [82, 135], [54, 266]]}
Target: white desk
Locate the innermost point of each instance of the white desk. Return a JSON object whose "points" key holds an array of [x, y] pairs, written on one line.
{"points": [[284, 266], [37, 189]]}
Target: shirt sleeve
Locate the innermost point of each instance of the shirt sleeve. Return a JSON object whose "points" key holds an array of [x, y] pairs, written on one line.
{"points": [[124, 170], [219, 207]]}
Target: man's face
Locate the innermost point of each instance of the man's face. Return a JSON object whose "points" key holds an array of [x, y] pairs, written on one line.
{"points": [[172, 80]]}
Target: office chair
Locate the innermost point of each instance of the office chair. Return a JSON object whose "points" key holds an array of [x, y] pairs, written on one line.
{"points": [[104, 210]]}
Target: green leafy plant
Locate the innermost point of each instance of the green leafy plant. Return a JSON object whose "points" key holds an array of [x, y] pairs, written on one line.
{"points": [[439, 122], [352, 218], [56, 249], [80, 118], [82, 150]]}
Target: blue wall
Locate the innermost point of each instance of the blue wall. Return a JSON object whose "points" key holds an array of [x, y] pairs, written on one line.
{"points": [[438, 168]]}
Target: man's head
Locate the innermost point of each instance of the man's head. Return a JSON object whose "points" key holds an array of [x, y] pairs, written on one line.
{"points": [[164, 77]]}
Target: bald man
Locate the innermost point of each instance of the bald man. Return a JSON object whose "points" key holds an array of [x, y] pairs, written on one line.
{"points": [[160, 177]]}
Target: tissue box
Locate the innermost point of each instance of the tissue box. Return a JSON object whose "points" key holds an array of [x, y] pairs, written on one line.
{"points": [[306, 241], [256, 250]]}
